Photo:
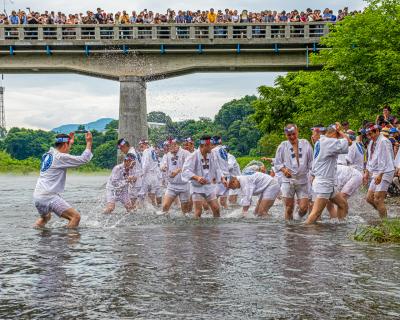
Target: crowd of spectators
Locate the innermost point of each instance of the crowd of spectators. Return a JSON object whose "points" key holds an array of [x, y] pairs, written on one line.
{"points": [[171, 16]]}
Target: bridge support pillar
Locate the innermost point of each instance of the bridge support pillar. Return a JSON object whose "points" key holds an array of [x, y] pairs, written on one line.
{"points": [[132, 109]]}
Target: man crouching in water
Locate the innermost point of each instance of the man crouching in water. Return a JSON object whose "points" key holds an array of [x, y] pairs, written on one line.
{"points": [[119, 182], [256, 184], [51, 182], [202, 171]]}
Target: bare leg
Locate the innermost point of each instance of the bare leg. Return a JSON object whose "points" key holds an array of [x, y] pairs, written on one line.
{"points": [[233, 199], [371, 199], [198, 208], [289, 208], [332, 210], [152, 198], [205, 206], [185, 207], [41, 222], [159, 201], [109, 208], [379, 199], [318, 207], [73, 216], [214, 205], [264, 206], [342, 206], [167, 203], [303, 206], [224, 202]]}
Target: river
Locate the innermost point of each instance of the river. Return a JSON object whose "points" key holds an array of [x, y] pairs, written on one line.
{"points": [[151, 267]]}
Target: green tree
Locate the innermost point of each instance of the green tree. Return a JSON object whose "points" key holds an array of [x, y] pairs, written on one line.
{"points": [[234, 110], [159, 117], [105, 155]]}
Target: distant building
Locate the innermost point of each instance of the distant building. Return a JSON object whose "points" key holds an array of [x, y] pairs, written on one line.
{"points": [[155, 125]]}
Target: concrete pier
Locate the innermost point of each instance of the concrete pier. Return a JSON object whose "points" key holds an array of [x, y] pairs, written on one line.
{"points": [[133, 109]]}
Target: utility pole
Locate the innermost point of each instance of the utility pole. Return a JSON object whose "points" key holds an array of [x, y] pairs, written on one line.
{"points": [[3, 130]]}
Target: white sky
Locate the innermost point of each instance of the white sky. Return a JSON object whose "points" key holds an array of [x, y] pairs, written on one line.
{"points": [[47, 101]]}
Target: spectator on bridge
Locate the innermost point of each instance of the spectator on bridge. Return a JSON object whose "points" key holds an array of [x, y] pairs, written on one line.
{"points": [[100, 16], [212, 16], [14, 19], [133, 17]]}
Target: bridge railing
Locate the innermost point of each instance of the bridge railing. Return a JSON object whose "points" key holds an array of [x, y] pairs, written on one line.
{"points": [[309, 30]]}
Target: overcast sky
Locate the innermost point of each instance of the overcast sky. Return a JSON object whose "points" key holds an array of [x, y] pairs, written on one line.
{"points": [[47, 101]]}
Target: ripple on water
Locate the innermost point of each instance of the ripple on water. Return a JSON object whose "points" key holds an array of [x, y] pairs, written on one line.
{"points": [[144, 265]]}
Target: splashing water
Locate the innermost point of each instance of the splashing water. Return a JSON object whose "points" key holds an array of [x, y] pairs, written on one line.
{"points": [[146, 265]]}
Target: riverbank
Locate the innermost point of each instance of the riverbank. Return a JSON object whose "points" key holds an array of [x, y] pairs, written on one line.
{"points": [[385, 231]]}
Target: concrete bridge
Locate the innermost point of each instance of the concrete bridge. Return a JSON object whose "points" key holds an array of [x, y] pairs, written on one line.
{"points": [[135, 54]]}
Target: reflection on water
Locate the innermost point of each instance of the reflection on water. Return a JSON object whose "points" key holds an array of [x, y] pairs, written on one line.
{"points": [[152, 267]]}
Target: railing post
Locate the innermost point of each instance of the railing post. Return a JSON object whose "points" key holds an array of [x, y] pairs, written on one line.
{"points": [[96, 32], [59, 33], [268, 33], [172, 33], [211, 32], [2, 33], [326, 28], [230, 31], [40, 33], [21, 33], [78, 33], [249, 31], [135, 32], [154, 33], [307, 31], [116, 33], [192, 32], [287, 31]]}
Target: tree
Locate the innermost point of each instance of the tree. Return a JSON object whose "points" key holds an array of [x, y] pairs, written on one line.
{"points": [[105, 156], [159, 117], [234, 110]]}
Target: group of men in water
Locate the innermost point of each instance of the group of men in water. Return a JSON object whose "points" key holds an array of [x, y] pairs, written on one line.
{"points": [[313, 178]]}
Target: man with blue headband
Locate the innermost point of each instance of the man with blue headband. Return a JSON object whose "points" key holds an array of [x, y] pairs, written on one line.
{"points": [[51, 182], [202, 171]]}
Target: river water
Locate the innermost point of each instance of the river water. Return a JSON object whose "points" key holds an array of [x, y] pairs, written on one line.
{"points": [[146, 266]]}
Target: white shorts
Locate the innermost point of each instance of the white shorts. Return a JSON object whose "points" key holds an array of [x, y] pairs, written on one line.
{"points": [[112, 197], [201, 196], [326, 196], [271, 192], [221, 190], [50, 204], [152, 184], [387, 180], [234, 192], [182, 193], [352, 185], [290, 190]]}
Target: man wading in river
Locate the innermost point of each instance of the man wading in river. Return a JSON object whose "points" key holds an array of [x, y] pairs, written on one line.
{"points": [[51, 182]]}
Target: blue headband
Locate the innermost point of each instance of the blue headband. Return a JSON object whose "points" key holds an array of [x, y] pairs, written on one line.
{"points": [[288, 130], [207, 141], [319, 129], [216, 140], [62, 140]]}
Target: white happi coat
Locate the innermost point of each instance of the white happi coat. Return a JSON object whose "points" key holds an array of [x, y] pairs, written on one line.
{"points": [[117, 183], [221, 159], [193, 166], [233, 165], [397, 160], [253, 185], [53, 171], [324, 166], [173, 162], [354, 158], [286, 158], [150, 164], [381, 160]]}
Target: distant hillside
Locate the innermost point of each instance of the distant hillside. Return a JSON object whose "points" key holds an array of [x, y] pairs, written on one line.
{"points": [[98, 125]]}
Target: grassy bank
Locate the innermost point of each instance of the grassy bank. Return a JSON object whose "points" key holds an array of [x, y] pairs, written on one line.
{"points": [[243, 161], [386, 231], [9, 165]]}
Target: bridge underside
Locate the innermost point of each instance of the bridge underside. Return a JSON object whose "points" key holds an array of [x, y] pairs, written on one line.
{"points": [[151, 66]]}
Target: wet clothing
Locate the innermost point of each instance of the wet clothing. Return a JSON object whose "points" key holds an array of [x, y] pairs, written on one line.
{"points": [[257, 184], [51, 182], [298, 184], [354, 158], [151, 172], [324, 167], [176, 185], [197, 165], [118, 187], [349, 180]]}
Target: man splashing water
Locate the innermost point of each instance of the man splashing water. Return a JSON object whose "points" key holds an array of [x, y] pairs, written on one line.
{"points": [[51, 182]]}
